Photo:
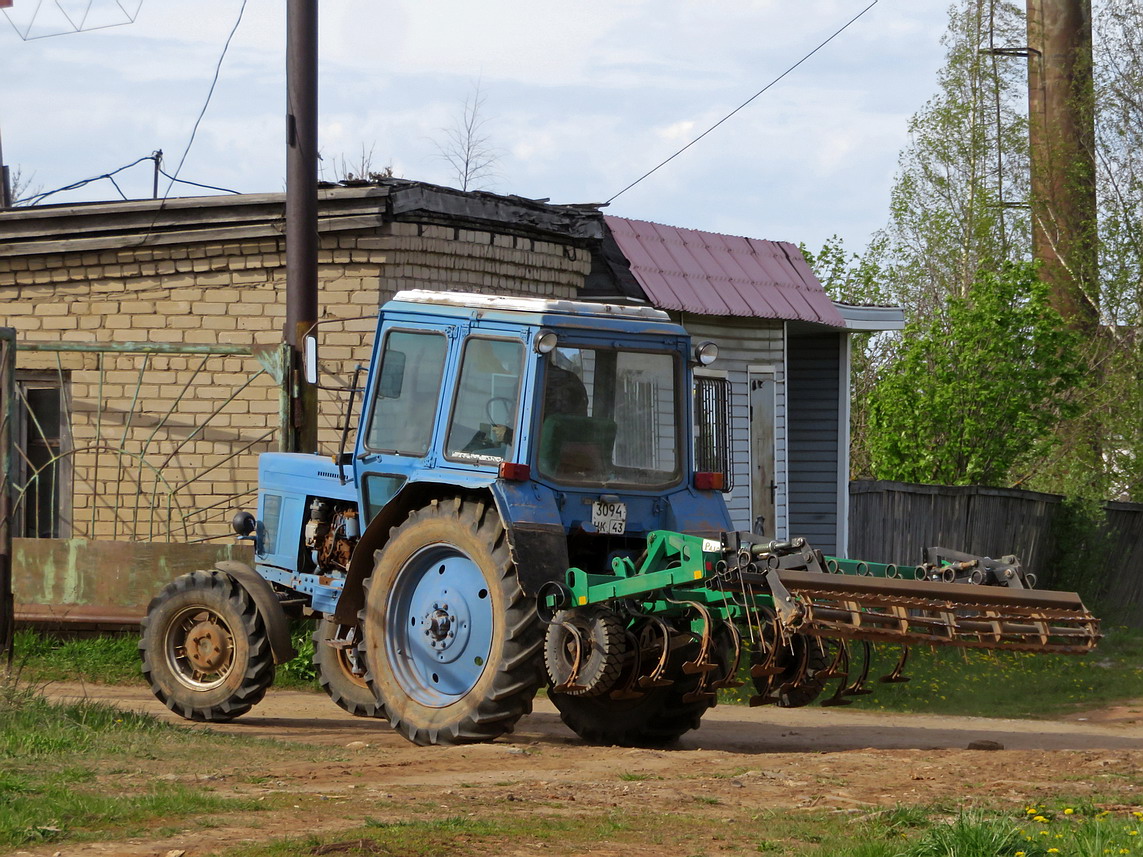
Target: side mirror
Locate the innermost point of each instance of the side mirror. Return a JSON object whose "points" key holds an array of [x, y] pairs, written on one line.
{"points": [[310, 360]]}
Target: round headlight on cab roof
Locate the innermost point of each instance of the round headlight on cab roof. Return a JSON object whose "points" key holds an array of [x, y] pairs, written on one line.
{"points": [[545, 341]]}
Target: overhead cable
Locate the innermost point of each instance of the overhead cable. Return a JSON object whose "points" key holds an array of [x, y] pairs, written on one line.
{"points": [[836, 33], [210, 92]]}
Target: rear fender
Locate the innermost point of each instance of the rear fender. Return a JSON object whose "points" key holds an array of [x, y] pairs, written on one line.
{"points": [[536, 534], [273, 616], [413, 495]]}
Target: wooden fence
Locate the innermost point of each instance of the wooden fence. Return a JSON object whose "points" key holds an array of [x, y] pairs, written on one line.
{"points": [[895, 521]]}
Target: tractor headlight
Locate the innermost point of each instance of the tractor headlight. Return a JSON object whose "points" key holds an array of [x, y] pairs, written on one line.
{"points": [[545, 341]]}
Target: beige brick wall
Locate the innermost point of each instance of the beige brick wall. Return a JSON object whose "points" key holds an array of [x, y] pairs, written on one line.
{"points": [[164, 445]]}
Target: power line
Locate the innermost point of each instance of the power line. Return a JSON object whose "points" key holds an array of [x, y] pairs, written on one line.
{"points": [[197, 184], [206, 104], [37, 198], [655, 169]]}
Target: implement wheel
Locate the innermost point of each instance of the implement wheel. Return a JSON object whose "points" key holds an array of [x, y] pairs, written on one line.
{"points": [[337, 669], [204, 648], [452, 645], [810, 675]]}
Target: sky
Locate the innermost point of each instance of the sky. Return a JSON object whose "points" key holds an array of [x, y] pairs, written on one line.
{"points": [[579, 100]]}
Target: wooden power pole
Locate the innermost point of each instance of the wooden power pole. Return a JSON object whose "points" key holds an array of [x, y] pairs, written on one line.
{"points": [[301, 206], [1061, 118]]}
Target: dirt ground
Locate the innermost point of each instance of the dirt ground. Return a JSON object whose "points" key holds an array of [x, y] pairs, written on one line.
{"points": [[741, 761]]}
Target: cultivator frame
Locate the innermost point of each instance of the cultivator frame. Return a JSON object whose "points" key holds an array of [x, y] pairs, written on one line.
{"points": [[797, 611]]}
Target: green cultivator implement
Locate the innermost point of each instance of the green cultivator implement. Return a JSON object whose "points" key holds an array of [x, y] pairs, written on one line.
{"points": [[689, 608]]}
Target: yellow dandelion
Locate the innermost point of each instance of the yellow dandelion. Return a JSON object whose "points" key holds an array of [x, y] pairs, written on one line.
{"points": [[1044, 833], [1069, 811], [1132, 832], [1020, 854], [1040, 819], [1053, 850]]}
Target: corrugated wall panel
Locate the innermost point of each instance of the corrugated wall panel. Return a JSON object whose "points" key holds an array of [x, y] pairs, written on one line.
{"points": [[814, 402], [743, 343]]}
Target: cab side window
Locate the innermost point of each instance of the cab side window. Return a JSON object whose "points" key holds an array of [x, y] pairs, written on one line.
{"points": [[484, 414], [407, 389]]}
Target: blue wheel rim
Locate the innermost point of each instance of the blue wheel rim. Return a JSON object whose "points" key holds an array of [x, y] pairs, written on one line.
{"points": [[440, 623]]}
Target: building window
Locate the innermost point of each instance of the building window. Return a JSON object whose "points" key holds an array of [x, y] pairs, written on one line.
{"points": [[42, 468], [712, 427]]}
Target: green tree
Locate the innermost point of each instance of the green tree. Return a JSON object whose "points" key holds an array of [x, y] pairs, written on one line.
{"points": [[976, 387], [955, 207]]}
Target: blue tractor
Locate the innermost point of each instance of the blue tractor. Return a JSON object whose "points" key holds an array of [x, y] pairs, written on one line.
{"points": [[505, 446]]}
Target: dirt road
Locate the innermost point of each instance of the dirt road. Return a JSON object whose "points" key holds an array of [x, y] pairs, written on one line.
{"points": [[740, 760]]}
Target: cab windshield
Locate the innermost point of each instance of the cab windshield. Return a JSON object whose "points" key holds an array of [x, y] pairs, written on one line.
{"points": [[609, 417]]}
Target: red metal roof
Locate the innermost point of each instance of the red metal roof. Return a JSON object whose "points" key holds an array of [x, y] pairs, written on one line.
{"points": [[711, 274]]}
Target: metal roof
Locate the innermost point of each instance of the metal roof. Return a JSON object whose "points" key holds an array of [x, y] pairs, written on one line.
{"points": [[710, 274]]}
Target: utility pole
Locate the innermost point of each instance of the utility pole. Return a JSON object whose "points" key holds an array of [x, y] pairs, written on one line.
{"points": [[5, 182], [1061, 120], [301, 206]]}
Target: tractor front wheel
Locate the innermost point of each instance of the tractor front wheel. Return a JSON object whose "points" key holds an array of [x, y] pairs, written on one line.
{"points": [[452, 645], [205, 649]]}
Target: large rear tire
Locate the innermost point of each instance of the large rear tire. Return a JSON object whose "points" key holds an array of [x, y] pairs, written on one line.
{"points": [[337, 668], [452, 645], [205, 649], [657, 718]]}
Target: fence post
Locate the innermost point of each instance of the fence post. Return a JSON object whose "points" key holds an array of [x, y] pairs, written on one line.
{"points": [[7, 598]]}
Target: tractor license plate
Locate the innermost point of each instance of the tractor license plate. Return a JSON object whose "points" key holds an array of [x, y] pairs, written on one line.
{"points": [[610, 518]]}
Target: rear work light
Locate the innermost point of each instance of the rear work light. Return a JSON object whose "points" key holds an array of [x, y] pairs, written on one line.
{"points": [[515, 472], [709, 481]]}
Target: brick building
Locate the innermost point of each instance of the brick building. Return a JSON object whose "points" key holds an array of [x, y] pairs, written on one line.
{"points": [[150, 370]]}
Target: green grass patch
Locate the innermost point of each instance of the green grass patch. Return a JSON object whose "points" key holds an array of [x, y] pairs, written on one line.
{"points": [[904, 831], [942, 680], [62, 770], [113, 659], [982, 683]]}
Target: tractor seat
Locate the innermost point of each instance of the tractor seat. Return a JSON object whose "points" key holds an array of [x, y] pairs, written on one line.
{"points": [[577, 448]]}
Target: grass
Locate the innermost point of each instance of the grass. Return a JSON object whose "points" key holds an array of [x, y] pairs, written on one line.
{"points": [[114, 659], [942, 681], [1001, 684], [80, 770], [904, 831]]}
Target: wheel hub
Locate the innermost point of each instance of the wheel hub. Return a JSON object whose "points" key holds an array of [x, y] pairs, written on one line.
{"points": [[441, 603], [445, 626], [208, 647]]}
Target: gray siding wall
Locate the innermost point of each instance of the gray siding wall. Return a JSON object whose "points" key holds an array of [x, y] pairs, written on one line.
{"points": [[742, 344], [815, 365]]}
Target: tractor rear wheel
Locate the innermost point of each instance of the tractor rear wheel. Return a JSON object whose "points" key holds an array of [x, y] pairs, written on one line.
{"points": [[453, 647], [338, 669], [657, 718], [205, 649]]}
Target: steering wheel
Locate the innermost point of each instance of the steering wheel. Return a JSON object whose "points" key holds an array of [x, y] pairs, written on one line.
{"points": [[509, 405]]}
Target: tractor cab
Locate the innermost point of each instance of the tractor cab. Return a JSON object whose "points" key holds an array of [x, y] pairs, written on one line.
{"points": [[575, 416]]}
